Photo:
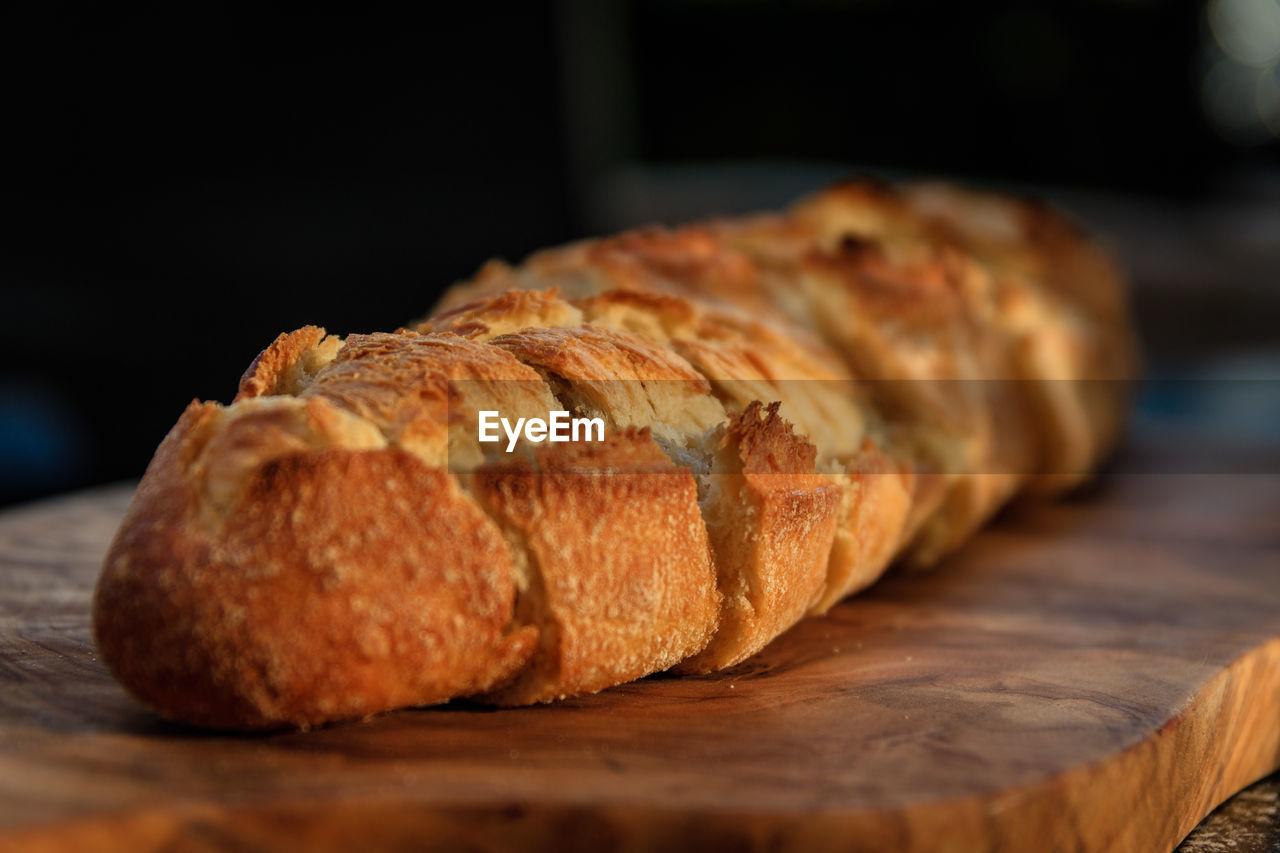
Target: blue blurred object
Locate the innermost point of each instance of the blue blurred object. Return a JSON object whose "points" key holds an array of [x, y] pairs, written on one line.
{"points": [[1237, 397], [42, 441]]}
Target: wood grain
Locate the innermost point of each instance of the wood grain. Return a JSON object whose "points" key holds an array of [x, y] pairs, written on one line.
{"points": [[1095, 674]]}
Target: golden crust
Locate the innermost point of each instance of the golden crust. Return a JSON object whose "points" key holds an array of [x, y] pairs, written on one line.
{"points": [[878, 494], [1003, 305], [620, 576], [506, 312], [343, 583], [685, 261], [1040, 288], [792, 401], [771, 520], [629, 381], [746, 361], [288, 364], [906, 328], [423, 391], [240, 439]]}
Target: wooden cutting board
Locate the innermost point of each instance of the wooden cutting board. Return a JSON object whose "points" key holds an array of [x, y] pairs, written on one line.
{"points": [[1094, 674]]}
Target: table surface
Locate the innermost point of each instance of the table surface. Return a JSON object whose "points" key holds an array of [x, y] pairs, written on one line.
{"points": [[1101, 672]]}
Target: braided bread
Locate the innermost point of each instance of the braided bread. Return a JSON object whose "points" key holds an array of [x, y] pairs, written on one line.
{"points": [[785, 403]]}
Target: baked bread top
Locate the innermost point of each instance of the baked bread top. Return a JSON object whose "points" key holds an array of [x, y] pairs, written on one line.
{"points": [[788, 403]]}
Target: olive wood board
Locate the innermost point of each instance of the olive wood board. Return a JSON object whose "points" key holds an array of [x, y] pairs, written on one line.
{"points": [[1096, 674]]}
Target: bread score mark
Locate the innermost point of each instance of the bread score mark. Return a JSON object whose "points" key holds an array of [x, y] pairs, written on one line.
{"points": [[558, 426]]}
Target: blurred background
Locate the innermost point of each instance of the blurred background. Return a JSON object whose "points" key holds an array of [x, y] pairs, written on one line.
{"points": [[185, 181]]}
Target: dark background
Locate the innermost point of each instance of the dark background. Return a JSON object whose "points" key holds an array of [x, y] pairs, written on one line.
{"points": [[183, 182]]}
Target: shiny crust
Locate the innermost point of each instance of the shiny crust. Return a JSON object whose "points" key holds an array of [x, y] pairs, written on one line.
{"points": [[792, 401]]}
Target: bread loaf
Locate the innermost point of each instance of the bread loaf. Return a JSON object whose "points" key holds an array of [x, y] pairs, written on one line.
{"points": [[785, 404]]}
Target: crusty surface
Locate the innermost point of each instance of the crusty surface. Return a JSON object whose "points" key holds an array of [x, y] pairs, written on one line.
{"points": [[628, 380], [792, 402], [619, 572], [1014, 383], [877, 496], [288, 364], [341, 583], [771, 520], [424, 391]]}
